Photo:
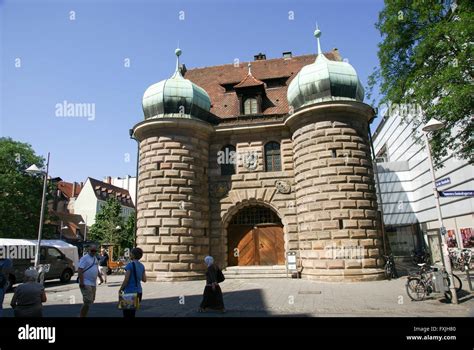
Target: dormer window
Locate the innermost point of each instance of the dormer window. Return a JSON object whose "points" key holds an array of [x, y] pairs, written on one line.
{"points": [[250, 105]]}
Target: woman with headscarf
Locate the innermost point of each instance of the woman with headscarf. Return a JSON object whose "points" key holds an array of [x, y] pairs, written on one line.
{"points": [[212, 297], [29, 297]]}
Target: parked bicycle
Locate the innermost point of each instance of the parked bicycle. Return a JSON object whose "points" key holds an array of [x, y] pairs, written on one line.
{"points": [[420, 256], [389, 268], [421, 284], [460, 259]]}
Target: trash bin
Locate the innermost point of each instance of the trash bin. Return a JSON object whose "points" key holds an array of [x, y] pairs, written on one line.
{"points": [[440, 283]]}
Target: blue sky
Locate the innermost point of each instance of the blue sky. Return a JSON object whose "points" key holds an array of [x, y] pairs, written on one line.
{"points": [[50, 55]]}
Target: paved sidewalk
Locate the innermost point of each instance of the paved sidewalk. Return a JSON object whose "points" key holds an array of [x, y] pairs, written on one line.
{"points": [[259, 298]]}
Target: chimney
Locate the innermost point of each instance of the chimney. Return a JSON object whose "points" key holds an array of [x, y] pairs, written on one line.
{"points": [[73, 189], [260, 57], [108, 179], [287, 55]]}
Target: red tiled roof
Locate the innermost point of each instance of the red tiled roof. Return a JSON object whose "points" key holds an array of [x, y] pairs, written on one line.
{"points": [[226, 104], [66, 189], [107, 191], [249, 81]]}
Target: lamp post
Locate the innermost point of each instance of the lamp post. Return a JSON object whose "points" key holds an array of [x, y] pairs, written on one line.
{"points": [[61, 231], [35, 171], [136, 185], [434, 125], [85, 228]]}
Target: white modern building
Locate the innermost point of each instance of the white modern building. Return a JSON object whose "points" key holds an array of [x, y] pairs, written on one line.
{"points": [[410, 214], [94, 195]]}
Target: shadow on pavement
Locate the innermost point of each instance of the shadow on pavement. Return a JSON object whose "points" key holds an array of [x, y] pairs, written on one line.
{"points": [[246, 303]]}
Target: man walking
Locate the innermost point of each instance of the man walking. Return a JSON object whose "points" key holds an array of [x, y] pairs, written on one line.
{"points": [[103, 264], [88, 272]]}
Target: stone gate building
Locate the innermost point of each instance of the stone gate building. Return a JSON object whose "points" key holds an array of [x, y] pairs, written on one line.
{"points": [[247, 162]]}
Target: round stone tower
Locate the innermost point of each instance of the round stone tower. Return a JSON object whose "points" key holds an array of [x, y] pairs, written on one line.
{"points": [[173, 199], [339, 235]]}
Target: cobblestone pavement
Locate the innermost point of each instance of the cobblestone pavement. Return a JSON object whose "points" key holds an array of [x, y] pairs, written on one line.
{"points": [[259, 298]]}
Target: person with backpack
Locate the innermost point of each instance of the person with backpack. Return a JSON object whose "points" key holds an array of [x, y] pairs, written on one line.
{"points": [[88, 271], [212, 296], [134, 275], [5, 267]]}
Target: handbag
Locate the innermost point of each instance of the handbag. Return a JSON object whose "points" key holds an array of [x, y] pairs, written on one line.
{"points": [[130, 301], [219, 276]]}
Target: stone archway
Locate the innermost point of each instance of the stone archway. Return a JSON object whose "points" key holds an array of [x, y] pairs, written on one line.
{"points": [[255, 234]]}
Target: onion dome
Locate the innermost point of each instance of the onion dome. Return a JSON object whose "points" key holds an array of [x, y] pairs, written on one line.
{"points": [[324, 80], [175, 97]]}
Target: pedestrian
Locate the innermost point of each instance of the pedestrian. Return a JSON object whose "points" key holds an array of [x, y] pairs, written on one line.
{"points": [[212, 297], [103, 264], [5, 268], [134, 275], [27, 302], [88, 272]]}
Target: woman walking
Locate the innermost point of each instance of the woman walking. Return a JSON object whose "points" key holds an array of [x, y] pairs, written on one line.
{"points": [[212, 297], [134, 275], [29, 296]]}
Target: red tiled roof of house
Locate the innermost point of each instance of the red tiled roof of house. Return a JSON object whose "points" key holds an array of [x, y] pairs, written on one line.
{"points": [[107, 190], [66, 189], [226, 104]]}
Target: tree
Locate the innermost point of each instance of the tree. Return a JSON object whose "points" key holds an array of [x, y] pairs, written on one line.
{"points": [[20, 193], [426, 60], [110, 226], [129, 236]]}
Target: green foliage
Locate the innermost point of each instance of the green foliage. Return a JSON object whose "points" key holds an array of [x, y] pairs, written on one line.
{"points": [[426, 58], [111, 228], [20, 193]]}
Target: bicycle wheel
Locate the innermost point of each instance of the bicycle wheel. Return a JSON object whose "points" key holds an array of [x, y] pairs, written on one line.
{"points": [[416, 289], [457, 283]]}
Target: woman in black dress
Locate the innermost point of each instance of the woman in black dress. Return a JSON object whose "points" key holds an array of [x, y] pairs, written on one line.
{"points": [[212, 298]]}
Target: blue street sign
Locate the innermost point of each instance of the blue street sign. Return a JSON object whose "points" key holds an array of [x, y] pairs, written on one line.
{"points": [[456, 193], [442, 182]]}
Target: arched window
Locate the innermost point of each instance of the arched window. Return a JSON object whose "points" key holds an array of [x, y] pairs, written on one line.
{"points": [[272, 156], [250, 106], [227, 159]]}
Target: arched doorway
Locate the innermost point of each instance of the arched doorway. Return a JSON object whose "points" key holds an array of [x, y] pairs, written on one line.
{"points": [[255, 237]]}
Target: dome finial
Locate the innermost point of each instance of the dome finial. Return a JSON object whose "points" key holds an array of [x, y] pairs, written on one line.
{"points": [[317, 35], [177, 52]]}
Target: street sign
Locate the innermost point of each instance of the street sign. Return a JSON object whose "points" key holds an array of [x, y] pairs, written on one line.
{"points": [[291, 261], [442, 182], [443, 230], [456, 193]]}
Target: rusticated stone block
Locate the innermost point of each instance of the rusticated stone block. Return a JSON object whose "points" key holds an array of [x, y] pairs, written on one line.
{"points": [[169, 257]]}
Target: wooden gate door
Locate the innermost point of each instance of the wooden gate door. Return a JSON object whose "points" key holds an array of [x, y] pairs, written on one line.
{"points": [[256, 245]]}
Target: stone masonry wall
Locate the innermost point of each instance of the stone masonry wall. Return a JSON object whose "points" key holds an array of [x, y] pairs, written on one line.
{"points": [[250, 187], [173, 203], [335, 198]]}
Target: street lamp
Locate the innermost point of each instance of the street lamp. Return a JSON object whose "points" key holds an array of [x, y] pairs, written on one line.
{"points": [[431, 126], [85, 228], [34, 170], [65, 227]]}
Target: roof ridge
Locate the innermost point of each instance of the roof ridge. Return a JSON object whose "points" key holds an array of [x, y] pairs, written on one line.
{"points": [[267, 60]]}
